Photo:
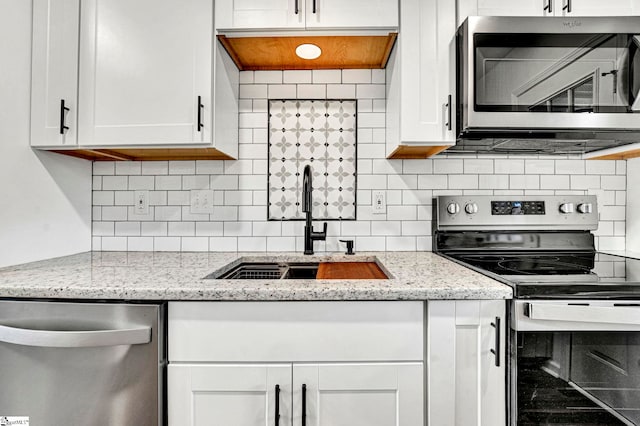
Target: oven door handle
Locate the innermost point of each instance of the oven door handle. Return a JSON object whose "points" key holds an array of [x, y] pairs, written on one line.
{"points": [[584, 314]]}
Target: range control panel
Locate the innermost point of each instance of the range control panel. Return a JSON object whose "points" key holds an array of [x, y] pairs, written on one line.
{"points": [[507, 208], [489, 212]]}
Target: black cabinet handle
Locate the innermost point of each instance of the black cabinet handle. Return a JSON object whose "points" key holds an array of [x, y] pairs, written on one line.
{"points": [[496, 351], [567, 6], [304, 405], [277, 418], [296, 9], [200, 106], [63, 110], [548, 6], [448, 105], [314, 6]]}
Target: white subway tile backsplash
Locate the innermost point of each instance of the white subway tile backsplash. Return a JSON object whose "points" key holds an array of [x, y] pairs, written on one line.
{"points": [[128, 167], [269, 77], [508, 166], [341, 91], [139, 244], [168, 182], [239, 187], [103, 198], [209, 167], [326, 76], [297, 76], [446, 166], [360, 76], [141, 182], [310, 91], [570, 167], [110, 183], [155, 167], [104, 168], [280, 91]]}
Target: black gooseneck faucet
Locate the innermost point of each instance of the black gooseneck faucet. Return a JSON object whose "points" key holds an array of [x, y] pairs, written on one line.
{"points": [[307, 205]]}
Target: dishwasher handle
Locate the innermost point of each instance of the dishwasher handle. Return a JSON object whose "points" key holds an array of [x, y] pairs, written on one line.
{"points": [[74, 339]]}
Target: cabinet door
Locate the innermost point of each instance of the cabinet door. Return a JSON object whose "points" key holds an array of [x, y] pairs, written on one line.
{"points": [[420, 76], [351, 14], [466, 379], [259, 14], [358, 394], [54, 72], [238, 395], [595, 7], [143, 65], [514, 7]]}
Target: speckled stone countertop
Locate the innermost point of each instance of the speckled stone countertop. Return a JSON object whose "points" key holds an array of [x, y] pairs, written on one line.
{"points": [[179, 276]]}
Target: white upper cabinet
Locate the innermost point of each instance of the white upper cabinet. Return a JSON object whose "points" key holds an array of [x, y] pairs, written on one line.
{"points": [[131, 75], [351, 14], [54, 92], [420, 78], [145, 72], [548, 8], [301, 14]]}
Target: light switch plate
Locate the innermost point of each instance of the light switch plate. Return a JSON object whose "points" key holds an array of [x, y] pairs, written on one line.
{"points": [[201, 201], [379, 202], [141, 202]]}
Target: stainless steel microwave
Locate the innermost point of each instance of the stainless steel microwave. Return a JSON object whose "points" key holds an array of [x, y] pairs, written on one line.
{"points": [[572, 82]]}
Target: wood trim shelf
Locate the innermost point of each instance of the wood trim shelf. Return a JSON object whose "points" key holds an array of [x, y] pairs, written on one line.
{"points": [[625, 155], [145, 154], [406, 152], [338, 52]]}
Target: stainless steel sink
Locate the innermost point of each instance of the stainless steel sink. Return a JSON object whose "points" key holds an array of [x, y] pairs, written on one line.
{"points": [[268, 271]]}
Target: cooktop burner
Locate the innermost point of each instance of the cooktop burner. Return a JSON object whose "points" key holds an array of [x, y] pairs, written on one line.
{"points": [[532, 263]]}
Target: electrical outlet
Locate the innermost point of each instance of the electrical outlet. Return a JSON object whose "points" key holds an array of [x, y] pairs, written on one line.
{"points": [[379, 202], [201, 201], [141, 202]]}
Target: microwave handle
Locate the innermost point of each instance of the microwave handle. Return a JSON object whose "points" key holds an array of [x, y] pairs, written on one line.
{"points": [[634, 60], [584, 314], [74, 339]]}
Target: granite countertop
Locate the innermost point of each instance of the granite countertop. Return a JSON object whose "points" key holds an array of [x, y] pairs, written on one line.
{"points": [[179, 276]]}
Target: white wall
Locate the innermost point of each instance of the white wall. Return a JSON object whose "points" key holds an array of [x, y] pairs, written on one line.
{"points": [[45, 198], [633, 204]]}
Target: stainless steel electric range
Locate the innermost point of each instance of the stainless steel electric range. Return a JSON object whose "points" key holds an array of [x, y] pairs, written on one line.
{"points": [[574, 322]]}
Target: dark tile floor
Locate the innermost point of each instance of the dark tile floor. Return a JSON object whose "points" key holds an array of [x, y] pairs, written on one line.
{"points": [[547, 400]]}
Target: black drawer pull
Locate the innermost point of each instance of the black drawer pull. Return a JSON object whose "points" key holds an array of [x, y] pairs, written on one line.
{"points": [[496, 351], [277, 417], [63, 110], [304, 405], [200, 106]]}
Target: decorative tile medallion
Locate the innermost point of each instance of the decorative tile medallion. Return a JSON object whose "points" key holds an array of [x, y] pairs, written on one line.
{"points": [[321, 133]]}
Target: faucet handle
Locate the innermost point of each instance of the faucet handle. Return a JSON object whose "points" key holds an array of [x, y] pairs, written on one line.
{"points": [[349, 246]]}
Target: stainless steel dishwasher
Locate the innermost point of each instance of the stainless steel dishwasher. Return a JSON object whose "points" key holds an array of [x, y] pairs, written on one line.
{"points": [[82, 364]]}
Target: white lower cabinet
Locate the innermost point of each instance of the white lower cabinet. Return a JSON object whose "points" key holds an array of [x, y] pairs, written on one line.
{"points": [[466, 363], [379, 394], [333, 363]]}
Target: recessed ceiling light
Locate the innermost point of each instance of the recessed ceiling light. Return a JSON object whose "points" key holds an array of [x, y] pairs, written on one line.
{"points": [[308, 51]]}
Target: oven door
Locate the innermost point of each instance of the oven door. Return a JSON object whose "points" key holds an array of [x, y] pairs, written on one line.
{"points": [[575, 362], [542, 75]]}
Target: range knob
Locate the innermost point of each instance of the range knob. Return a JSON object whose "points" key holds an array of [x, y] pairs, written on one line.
{"points": [[566, 208], [453, 208], [471, 208], [585, 208]]}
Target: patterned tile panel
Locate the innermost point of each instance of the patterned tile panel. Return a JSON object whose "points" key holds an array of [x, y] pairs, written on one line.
{"points": [[321, 133]]}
